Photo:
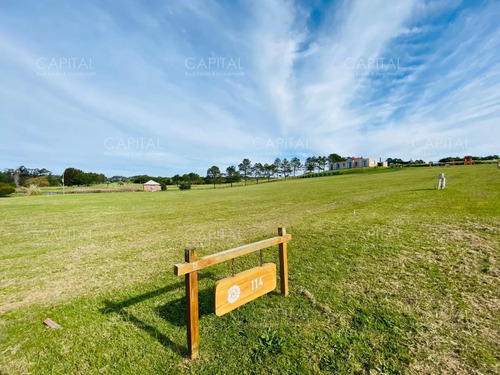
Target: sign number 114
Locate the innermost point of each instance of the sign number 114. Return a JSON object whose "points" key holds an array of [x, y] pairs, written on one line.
{"points": [[257, 282]]}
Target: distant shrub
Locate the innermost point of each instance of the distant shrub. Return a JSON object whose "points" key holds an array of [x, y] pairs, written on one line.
{"points": [[6, 189], [33, 190], [184, 186]]}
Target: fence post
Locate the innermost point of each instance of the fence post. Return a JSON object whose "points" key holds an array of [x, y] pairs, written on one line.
{"points": [[193, 333], [283, 263]]}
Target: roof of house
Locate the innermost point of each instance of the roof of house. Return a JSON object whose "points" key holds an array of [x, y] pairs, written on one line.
{"points": [[151, 182]]}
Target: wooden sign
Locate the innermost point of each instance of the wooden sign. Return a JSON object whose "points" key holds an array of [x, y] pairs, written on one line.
{"points": [[233, 292]]}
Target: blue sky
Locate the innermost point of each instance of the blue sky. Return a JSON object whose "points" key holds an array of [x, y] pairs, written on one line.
{"points": [[166, 87]]}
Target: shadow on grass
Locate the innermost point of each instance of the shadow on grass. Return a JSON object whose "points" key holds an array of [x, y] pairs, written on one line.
{"points": [[426, 189], [173, 312]]}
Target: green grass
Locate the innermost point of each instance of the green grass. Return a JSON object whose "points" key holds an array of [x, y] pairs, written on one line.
{"points": [[350, 171], [410, 284]]}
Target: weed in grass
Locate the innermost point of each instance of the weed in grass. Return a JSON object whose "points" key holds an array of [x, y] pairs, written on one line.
{"points": [[269, 343]]}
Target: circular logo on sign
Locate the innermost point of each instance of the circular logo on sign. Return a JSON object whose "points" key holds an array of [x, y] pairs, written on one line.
{"points": [[233, 294]]}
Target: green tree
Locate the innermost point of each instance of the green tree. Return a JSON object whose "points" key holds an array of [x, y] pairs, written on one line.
{"points": [[194, 178], [295, 164], [286, 168], [69, 174], [245, 167], [322, 161], [315, 162], [400, 161], [335, 158], [310, 164], [257, 171], [176, 179], [54, 180], [7, 176], [21, 175], [141, 179], [268, 171], [164, 181], [277, 167], [86, 179], [214, 174], [232, 174]]}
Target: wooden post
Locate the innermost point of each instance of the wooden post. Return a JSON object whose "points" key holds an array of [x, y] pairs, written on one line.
{"points": [[441, 181], [193, 332], [283, 264]]}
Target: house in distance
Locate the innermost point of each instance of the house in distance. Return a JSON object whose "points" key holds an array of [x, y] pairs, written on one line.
{"points": [[353, 162], [151, 186]]}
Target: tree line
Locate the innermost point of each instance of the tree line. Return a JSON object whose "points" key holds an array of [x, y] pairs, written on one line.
{"points": [[244, 171], [23, 176], [42, 177], [478, 158], [279, 168]]}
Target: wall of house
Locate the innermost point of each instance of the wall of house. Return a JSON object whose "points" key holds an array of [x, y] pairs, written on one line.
{"points": [[370, 163], [338, 166], [360, 163], [152, 187]]}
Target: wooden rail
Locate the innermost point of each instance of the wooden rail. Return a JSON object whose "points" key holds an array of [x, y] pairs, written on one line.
{"points": [[192, 266], [211, 260]]}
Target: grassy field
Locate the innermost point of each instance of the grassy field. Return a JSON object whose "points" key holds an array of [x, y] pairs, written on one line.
{"points": [[410, 284]]}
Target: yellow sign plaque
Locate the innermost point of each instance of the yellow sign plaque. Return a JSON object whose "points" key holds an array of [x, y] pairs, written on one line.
{"points": [[232, 292]]}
